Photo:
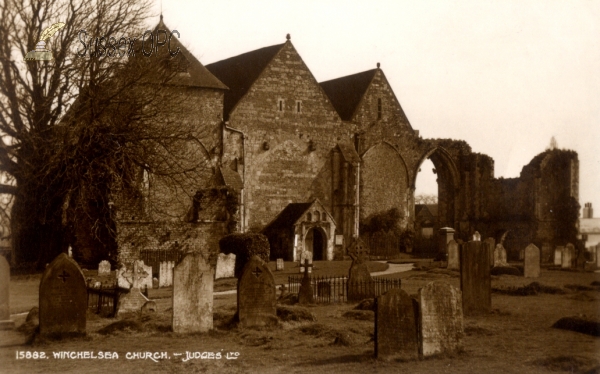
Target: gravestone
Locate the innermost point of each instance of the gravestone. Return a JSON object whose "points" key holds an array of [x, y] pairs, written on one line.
{"points": [[492, 243], [396, 330], [531, 265], [500, 255], [63, 298], [142, 275], [546, 253], [475, 279], [124, 277], [476, 236], [558, 255], [193, 280], [256, 295], [360, 284], [305, 296], [104, 268], [225, 266], [165, 274], [441, 319], [132, 301], [279, 264], [304, 256], [567, 256], [5, 321], [453, 256]]}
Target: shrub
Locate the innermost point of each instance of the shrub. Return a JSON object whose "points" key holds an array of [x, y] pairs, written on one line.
{"points": [[244, 246]]}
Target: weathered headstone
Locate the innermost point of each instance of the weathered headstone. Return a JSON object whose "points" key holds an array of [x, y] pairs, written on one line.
{"points": [[567, 256], [476, 236], [558, 255], [396, 330], [500, 255], [193, 280], [142, 275], [124, 277], [256, 295], [165, 274], [225, 266], [132, 301], [492, 242], [531, 265], [104, 268], [475, 279], [453, 256], [279, 265], [305, 296], [304, 256], [63, 298], [441, 319], [5, 321]]}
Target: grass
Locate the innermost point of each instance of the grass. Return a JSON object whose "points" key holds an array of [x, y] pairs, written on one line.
{"points": [[516, 337]]}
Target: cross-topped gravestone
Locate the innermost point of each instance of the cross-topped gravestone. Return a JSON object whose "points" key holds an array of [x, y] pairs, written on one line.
{"points": [[358, 250], [5, 322], [305, 296], [124, 277], [63, 298], [396, 330], [256, 295], [142, 275], [360, 283], [441, 319], [531, 262], [475, 278], [103, 268], [193, 292], [304, 257]]}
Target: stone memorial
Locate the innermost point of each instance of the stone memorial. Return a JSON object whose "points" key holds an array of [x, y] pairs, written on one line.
{"points": [[279, 265], [445, 235], [124, 277], [5, 322], [441, 319], [304, 256], [63, 298], [305, 296], [453, 256], [165, 274], [531, 262], [132, 301], [360, 285], [396, 330], [500, 255], [567, 256], [142, 275], [103, 268], [225, 266], [256, 295], [193, 280], [492, 243], [475, 278], [476, 236], [558, 255]]}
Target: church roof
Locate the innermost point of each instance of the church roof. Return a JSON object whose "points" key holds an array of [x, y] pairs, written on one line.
{"points": [[225, 176], [346, 92], [197, 75], [432, 208], [240, 72], [288, 216]]}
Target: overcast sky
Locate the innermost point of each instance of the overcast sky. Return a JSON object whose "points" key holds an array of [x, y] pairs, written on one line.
{"points": [[503, 75]]}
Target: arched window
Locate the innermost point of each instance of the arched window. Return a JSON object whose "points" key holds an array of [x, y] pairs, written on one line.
{"points": [[317, 216], [308, 217]]}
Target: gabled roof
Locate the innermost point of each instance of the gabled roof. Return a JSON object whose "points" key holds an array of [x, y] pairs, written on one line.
{"points": [[224, 176], [431, 208], [240, 72], [292, 213], [345, 92], [349, 153], [197, 75]]}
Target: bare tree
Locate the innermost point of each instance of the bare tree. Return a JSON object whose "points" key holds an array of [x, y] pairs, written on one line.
{"points": [[426, 199]]}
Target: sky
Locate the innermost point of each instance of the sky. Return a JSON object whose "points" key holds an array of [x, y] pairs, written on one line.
{"points": [[505, 76]]}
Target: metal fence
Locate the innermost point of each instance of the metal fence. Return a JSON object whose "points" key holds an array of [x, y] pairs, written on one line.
{"points": [[155, 257], [335, 289], [382, 245], [104, 299]]}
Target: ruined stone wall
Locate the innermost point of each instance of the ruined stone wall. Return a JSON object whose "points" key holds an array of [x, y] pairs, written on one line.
{"points": [[287, 154]]}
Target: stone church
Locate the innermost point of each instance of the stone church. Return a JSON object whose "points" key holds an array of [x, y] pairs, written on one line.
{"points": [[276, 136]]}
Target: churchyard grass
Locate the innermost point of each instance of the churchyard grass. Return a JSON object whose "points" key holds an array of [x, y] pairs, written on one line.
{"points": [[516, 337]]}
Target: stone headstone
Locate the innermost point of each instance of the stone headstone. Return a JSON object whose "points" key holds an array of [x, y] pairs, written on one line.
{"points": [[531, 262], [441, 319], [132, 301], [165, 274], [567, 256], [500, 255], [225, 266], [279, 264], [63, 298], [396, 334], [558, 255], [305, 296], [453, 256], [475, 279], [492, 242], [193, 280], [360, 285], [142, 275], [5, 322], [476, 236], [304, 256], [256, 295], [124, 277], [104, 268]]}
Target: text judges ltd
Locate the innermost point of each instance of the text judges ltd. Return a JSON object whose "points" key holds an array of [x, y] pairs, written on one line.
{"points": [[109, 46]]}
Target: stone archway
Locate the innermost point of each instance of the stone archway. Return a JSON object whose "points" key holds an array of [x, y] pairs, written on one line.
{"points": [[315, 241]]}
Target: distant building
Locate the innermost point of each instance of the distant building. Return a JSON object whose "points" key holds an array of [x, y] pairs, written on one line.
{"points": [[589, 226]]}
